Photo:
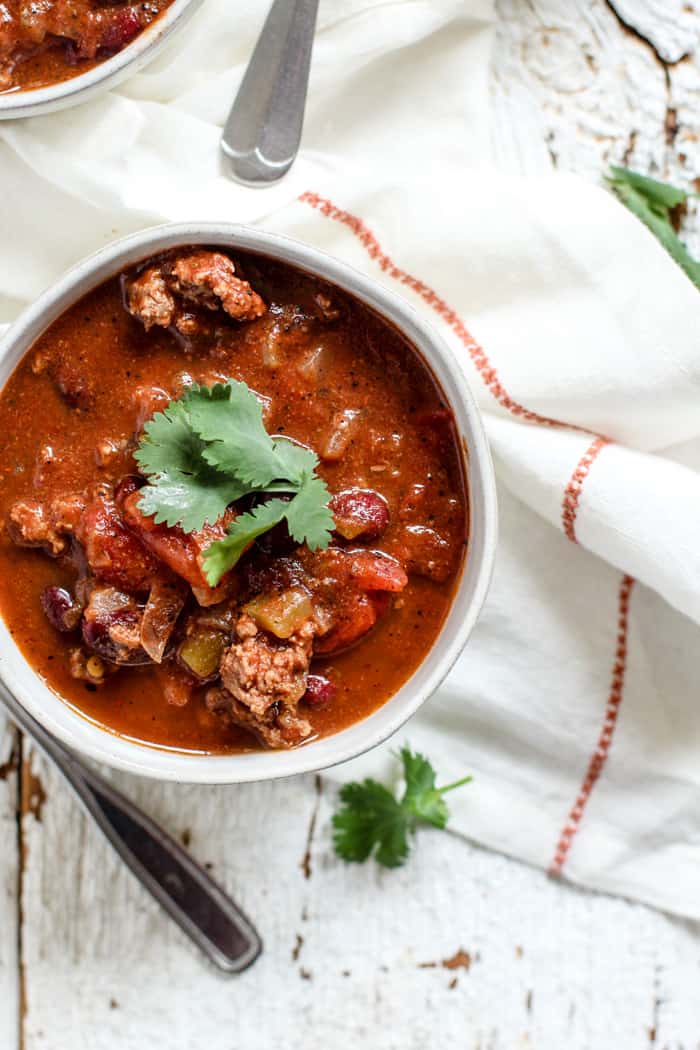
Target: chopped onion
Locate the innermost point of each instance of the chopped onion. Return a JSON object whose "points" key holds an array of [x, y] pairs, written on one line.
{"points": [[344, 426], [310, 364]]}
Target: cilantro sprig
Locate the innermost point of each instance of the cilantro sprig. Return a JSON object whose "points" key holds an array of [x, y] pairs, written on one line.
{"points": [[656, 204], [372, 820], [209, 449]]}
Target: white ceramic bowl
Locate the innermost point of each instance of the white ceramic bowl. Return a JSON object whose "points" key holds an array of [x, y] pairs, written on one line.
{"points": [[103, 76], [91, 739]]}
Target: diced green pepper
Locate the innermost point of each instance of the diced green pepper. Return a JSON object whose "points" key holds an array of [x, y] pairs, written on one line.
{"points": [[281, 614], [201, 653]]}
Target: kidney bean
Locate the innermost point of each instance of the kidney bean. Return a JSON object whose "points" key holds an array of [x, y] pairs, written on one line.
{"points": [[97, 636], [60, 608], [360, 514], [124, 25], [319, 691]]}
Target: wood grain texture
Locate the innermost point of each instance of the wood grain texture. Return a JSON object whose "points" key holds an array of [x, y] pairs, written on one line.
{"points": [[353, 953], [9, 876], [573, 89]]}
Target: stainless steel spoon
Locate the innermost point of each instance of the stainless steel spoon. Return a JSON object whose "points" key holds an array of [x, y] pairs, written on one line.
{"points": [[262, 134], [186, 891]]}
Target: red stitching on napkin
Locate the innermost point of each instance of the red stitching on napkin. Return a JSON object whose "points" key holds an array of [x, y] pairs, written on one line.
{"points": [[484, 367], [572, 492], [599, 756]]}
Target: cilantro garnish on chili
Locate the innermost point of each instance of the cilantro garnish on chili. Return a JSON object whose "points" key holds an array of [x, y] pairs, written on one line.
{"points": [[209, 449]]}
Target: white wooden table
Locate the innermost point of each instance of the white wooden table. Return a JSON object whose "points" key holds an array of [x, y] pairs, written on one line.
{"points": [[354, 954]]}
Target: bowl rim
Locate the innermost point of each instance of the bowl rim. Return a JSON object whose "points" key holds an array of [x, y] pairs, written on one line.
{"points": [[106, 74], [97, 742]]}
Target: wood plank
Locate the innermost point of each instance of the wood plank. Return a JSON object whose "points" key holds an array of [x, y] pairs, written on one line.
{"points": [[572, 89], [670, 27], [351, 952], [9, 876]]}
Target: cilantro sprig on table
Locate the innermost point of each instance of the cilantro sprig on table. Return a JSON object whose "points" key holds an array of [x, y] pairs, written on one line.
{"points": [[656, 204], [209, 449], [372, 820]]}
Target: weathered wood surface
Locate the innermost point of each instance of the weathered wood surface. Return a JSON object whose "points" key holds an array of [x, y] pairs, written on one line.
{"points": [[9, 886], [462, 948]]}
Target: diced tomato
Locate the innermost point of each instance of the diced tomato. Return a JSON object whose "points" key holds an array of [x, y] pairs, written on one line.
{"points": [[354, 617], [128, 484], [181, 552], [357, 588], [378, 572], [113, 553]]}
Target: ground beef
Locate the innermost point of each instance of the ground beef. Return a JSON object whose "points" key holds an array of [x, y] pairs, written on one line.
{"points": [[203, 280], [89, 27], [67, 376], [149, 300], [425, 553], [264, 679], [31, 523], [261, 670], [209, 279], [278, 728], [66, 512]]}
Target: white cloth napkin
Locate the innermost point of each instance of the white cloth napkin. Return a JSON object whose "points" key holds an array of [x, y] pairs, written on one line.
{"points": [[574, 705]]}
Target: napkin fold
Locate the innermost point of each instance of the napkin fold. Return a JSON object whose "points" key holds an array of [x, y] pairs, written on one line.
{"points": [[574, 704]]}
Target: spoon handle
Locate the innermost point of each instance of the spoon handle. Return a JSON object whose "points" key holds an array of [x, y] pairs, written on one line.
{"points": [[184, 889], [262, 134]]}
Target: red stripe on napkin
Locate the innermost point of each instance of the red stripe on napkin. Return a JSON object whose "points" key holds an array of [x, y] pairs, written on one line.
{"points": [[600, 755], [570, 502], [478, 355], [572, 492]]}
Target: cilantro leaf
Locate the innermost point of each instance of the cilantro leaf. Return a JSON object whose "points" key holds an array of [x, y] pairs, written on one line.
{"points": [[371, 819], [657, 194], [308, 515], [653, 202], [295, 460], [228, 418], [169, 443], [184, 489], [209, 449], [308, 518], [188, 500], [222, 555], [421, 797]]}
